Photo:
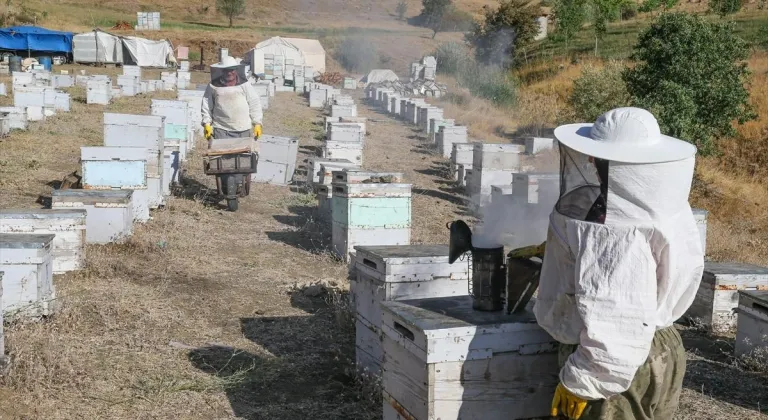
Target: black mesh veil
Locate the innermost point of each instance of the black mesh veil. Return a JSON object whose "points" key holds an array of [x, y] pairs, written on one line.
{"points": [[582, 194]]}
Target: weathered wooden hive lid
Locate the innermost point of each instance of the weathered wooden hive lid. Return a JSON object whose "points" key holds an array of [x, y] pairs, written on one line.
{"points": [[266, 138], [100, 196], [418, 251], [41, 213], [25, 240]]}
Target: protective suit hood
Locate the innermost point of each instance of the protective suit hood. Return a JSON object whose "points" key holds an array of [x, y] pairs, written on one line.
{"points": [[220, 70], [623, 256]]}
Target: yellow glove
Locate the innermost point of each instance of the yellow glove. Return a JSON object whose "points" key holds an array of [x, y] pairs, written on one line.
{"points": [[208, 131], [529, 251], [257, 130], [568, 404]]}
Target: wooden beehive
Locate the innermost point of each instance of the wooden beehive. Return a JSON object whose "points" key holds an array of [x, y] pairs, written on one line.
{"points": [[357, 176], [68, 226], [27, 261], [752, 328], [383, 273], [109, 213], [370, 214], [718, 295], [118, 168], [444, 360]]}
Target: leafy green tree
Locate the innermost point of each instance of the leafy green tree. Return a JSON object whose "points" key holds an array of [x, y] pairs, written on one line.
{"points": [[725, 7], [504, 31], [230, 8], [570, 16], [603, 12], [692, 75], [597, 91], [432, 14], [653, 5]]}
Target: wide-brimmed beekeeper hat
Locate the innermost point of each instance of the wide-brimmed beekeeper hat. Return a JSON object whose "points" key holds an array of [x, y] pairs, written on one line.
{"points": [[629, 135], [227, 62]]}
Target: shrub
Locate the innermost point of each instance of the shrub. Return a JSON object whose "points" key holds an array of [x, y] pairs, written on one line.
{"points": [[450, 57], [401, 9], [357, 54], [571, 15], [455, 20], [504, 31], [597, 91], [725, 7], [628, 11], [691, 74]]}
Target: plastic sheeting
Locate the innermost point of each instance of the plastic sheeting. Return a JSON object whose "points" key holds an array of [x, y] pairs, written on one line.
{"points": [[147, 53], [275, 46], [34, 38], [314, 53], [378, 76], [97, 47]]}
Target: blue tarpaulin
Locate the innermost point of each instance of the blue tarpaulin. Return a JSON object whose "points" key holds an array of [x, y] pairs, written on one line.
{"points": [[34, 38]]}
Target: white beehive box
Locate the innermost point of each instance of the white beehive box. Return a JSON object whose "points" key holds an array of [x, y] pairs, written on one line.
{"points": [[394, 105], [118, 168], [434, 127], [444, 360], [346, 132], [369, 214], [277, 160], [177, 114], [448, 135], [534, 145], [98, 91], [127, 130], [497, 156], [404, 107], [427, 114], [62, 81], [752, 328], [461, 154], [350, 83], [537, 187], [317, 98], [27, 261], [480, 182], [62, 102], [359, 176], [718, 294], [500, 191], [324, 196], [132, 71], [701, 222], [109, 213], [17, 117], [68, 226], [352, 152], [384, 273], [315, 171]]}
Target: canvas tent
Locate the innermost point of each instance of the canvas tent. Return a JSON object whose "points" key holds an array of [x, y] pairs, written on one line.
{"points": [[378, 76], [146, 52], [314, 53], [35, 39], [275, 46], [97, 47]]}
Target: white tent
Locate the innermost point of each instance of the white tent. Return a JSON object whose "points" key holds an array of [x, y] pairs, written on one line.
{"points": [[275, 46], [314, 53], [97, 47], [147, 53], [378, 76]]}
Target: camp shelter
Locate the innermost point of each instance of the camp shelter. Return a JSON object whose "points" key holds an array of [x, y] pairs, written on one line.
{"points": [[314, 53], [35, 40], [97, 46]]}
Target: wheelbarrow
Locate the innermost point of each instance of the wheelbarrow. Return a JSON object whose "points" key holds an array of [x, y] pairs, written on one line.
{"points": [[232, 161]]}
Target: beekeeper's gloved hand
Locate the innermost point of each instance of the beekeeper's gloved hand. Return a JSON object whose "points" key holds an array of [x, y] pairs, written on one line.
{"points": [[567, 403], [208, 131], [257, 131]]}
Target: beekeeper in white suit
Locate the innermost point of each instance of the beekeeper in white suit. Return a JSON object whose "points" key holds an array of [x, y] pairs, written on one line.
{"points": [[623, 261], [231, 106]]}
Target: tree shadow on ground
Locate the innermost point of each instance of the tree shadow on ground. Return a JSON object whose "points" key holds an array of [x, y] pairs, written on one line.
{"points": [[711, 371], [306, 366], [305, 230], [425, 149]]}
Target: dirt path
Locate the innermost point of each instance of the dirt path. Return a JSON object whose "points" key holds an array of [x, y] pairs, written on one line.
{"points": [[195, 318]]}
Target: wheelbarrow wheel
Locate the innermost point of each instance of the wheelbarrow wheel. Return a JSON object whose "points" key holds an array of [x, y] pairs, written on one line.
{"points": [[232, 204]]}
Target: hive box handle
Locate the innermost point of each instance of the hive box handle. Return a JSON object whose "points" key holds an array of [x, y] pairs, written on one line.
{"points": [[339, 189], [370, 263], [759, 307], [405, 332]]}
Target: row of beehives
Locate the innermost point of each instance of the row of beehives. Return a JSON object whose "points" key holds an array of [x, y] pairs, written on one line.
{"points": [[416, 340], [425, 69], [35, 98], [131, 174], [363, 207], [101, 90]]}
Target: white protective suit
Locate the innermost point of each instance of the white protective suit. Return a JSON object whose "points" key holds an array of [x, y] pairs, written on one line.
{"points": [[608, 287], [231, 108]]}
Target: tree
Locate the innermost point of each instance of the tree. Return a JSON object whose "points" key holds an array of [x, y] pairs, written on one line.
{"points": [[604, 11], [598, 91], [569, 16], [230, 8], [692, 75], [432, 14], [401, 9], [504, 31], [725, 7], [653, 5]]}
